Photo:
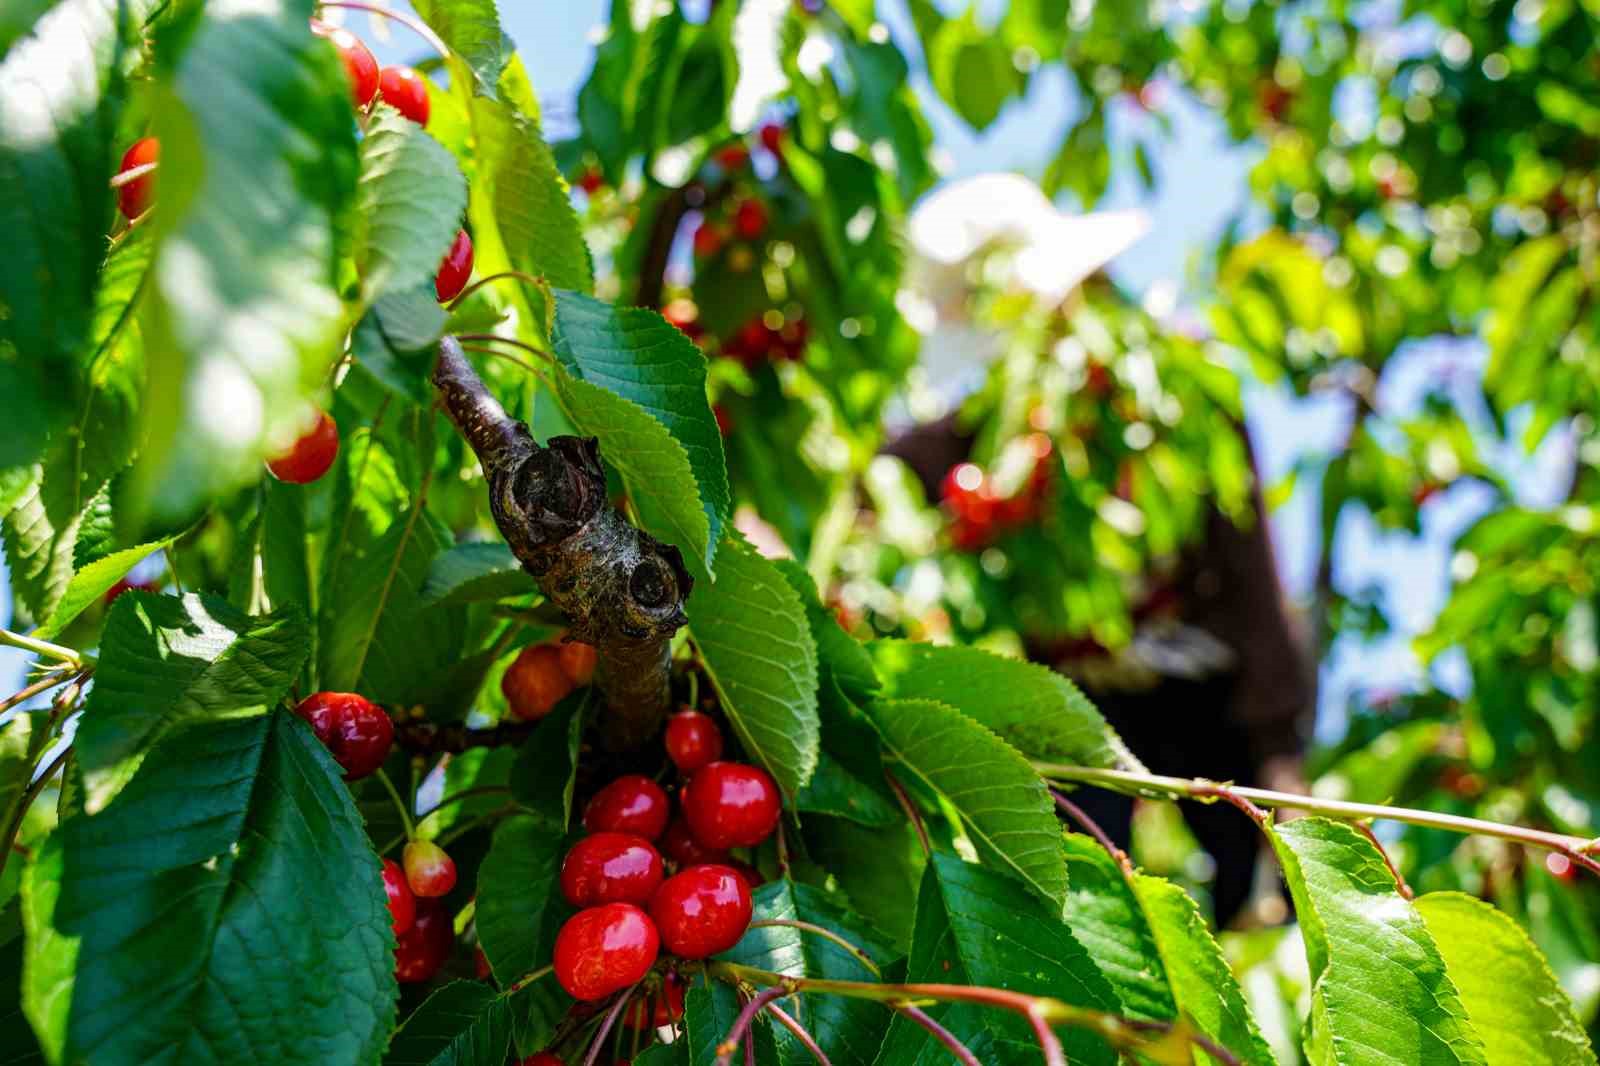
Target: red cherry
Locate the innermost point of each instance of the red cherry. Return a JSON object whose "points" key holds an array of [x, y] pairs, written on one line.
{"points": [[429, 871], [772, 135], [604, 949], [309, 457], [724, 420], [730, 804], [702, 911], [631, 804], [422, 949], [752, 876], [358, 62], [355, 730], [750, 218], [535, 682], [543, 1058], [455, 268], [679, 845], [708, 239], [968, 535], [480, 964], [693, 740], [732, 156], [591, 181], [578, 661], [610, 868], [134, 197], [655, 1011], [402, 904], [406, 91], [128, 586]]}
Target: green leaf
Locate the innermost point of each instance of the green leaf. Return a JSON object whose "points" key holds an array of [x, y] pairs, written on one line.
{"points": [[1036, 710], [51, 957], [1513, 1000], [21, 1047], [472, 30], [519, 902], [546, 770], [92, 582], [837, 651], [636, 354], [978, 927], [1003, 804], [258, 172], [536, 1011], [835, 791], [752, 633], [878, 868], [1105, 917], [465, 1023], [396, 341], [849, 1030], [410, 201], [709, 1011], [264, 809], [166, 662], [1380, 993], [972, 69], [468, 573]]}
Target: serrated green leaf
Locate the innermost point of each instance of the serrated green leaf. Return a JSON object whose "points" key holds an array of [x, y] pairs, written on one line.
{"points": [[546, 770], [51, 958], [834, 790], [638, 355], [16, 761], [21, 1048], [166, 662], [978, 927], [878, 868], [1105, 917], [410, 200], [752, 633], [1513, 1000], [468, 573], [536, 1011], [1036, 710], [465, 1023], [472, 30], [519, 902], [709, 1011], [396, 340], [92, 582], [837, 651], [264, 807], [1003, 804], [1380, 993]]}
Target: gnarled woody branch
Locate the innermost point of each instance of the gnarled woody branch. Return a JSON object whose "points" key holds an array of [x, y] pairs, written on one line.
{"points": [[620, 588]]}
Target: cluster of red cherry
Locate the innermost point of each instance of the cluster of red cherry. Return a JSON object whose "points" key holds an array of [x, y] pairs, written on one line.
{"points": [[542, 675], [979, 513], [768, 337], [401, 87]]}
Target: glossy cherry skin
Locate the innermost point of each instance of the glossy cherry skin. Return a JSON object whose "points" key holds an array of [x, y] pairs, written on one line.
{"points": [[660, 1008], [750, 219], [679, 845], [534, 683], [702, 911], [455, 268], [405, 90], [135, 197], [402, 904], [610, 868], [631, 804], [354, 729], [429, 871], [359, 65], [422, 949], [578, 661], [604, 949], [309, 457], [693, 740], [731, 805]]}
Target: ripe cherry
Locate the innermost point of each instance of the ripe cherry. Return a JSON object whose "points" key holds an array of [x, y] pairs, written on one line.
{"points": [[429, 871], [693, 740], [358, 62], [731, 805], [732, 156], [406, 91], [591, 180], [355, 730], [480, 964], [535, 682], [610, 868], [708, 239], [308, 458], [679, 845], [752, 876], [631, 804], [402, 904], [750, 218], [543, 1058], [128, 586], [772, 135], [422, 949], [578, 661], [134, 197], [455, 268], [604, 949], [662, 1008], [702, 911]]}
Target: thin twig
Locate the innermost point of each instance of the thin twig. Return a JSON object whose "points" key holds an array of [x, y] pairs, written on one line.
{"points": [[399, 804], [809, 927], [484, 349], [1230, 795], [962, 1053], [911, 811], [605, 1026], [57, 675], [730, 1043], [495, 338], [422, 737], [1090, 826], [481, 282], [14, 826], [42, 648], [1049, 1043], [1399, 880], [800, 1032], [525, 980]]}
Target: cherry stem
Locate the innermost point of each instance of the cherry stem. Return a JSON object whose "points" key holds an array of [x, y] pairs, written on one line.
{"points": [[481, 282], [507, 356], [525, 980], [605, 1026], [122, 177], [421, 29], [42, 648], [56, 675], [399, 804], [1049, 1043], [730, 1043], [911, 811], [23, 802], [1090, 826], [1574, 848], [466, 794], [962, 1053], [810, 927], [1399, 879], [495, 338], [800, 1032]]}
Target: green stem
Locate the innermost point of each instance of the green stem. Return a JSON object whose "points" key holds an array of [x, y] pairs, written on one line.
{"points": [[399, 804], [56, 675], [42, 647], [525, 980], [481, 282], [457, 831]]}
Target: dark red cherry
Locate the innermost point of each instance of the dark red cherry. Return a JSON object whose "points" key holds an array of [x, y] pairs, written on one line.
{"points": [[309, 457], [543, 1058], [631, 804], [429, 871], [732, 156], [731, 805], [422, 949], [135, 196], [406, 91], [679, 845], [402, 904], [535, 682], [701, 911], [604, 949], [708, 239], [772, 135], [610, 868], [355, 730], [750, 219], [578, 661], [455, 268], [660, 1008], [359, 65], [693, 740]]}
